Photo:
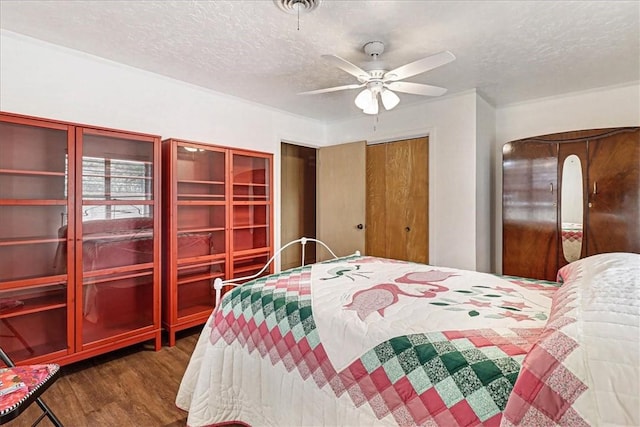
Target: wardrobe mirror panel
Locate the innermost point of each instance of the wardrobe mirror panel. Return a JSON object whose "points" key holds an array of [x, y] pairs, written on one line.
{"points": [[571, 208]]}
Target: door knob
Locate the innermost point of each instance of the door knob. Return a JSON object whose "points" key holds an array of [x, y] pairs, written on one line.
{"points": [[360, 226]]}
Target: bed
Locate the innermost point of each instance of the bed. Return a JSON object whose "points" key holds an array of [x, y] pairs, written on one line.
{"points": [[367, 341]]}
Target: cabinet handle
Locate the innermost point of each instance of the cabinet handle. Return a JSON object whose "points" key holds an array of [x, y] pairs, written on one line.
{"points": [[595, 188], [551, 187], [407, 229], [359, 226]]}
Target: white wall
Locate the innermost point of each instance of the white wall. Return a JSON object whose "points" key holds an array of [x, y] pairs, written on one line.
{"points": [[450, 123], [485, 140], [599, 108], [44, 80]]}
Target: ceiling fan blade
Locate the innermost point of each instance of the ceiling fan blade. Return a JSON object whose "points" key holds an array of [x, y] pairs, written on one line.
{"points": [[419, 66], [332, 89], [347, 66], [416, 88]]}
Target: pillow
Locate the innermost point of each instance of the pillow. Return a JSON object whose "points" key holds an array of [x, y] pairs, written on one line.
{"points": [[585, 368]]}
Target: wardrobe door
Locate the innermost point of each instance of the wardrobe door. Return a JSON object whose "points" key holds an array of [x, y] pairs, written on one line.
{"points": [[530, 217], [613, 217]]}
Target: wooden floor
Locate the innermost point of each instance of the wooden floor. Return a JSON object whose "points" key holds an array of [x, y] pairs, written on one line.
{"points": [[131, 387]]}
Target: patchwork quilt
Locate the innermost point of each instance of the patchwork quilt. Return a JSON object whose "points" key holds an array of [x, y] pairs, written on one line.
{"points": [[363, 341]]}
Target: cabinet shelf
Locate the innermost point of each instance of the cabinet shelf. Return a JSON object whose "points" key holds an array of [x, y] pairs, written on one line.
{"points": [[96, 175], [198, 277], [249, 226], [33, 202], [199, 230], [30, 240], [201, 196], [31, 172], [200, 203], [30, 308], [196, 181]]}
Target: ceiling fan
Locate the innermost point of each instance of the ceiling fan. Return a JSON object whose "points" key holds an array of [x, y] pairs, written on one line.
{"points": [[380, 83]]}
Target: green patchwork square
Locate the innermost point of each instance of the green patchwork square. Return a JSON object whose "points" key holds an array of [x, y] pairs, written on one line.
{"points": [[467, 381], [482, 404], [309, 325], [384, 351], [409, 360], [443, 347], [281, 313], [436, 370], [256, 296], [313, 338], [245, 292], [245, 304], [258, 317], [305, 312], [417, 339], [493, 352], [256, 306], [486, 371], [278, 301], [267, 298], [462, 344], [507, 365], [400, 344], [370, 361], [473, 355], [294, 318], [454, 361], [436, 337], [298, 332], [500, 390], [419, 380], [393, 369], [449, 392], [267, 309], [425, 353], [271, 321], [512, 377]]}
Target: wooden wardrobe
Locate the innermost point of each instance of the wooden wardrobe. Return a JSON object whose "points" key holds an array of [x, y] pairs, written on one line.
{"points": [[608, 193]]}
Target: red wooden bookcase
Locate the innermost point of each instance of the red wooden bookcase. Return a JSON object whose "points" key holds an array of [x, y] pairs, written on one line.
{"points": [[79, 239], [217, 210]]}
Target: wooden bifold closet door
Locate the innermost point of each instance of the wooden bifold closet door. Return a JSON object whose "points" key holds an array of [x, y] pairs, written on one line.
{"points": [[398, 200]]}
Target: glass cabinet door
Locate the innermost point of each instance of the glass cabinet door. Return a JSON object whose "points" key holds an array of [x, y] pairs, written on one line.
{"points": [[118, 246], [34, 252]]}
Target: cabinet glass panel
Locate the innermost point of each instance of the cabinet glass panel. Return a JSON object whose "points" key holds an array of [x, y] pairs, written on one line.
{"points": [[33, 222], [28, 260], [201, 244], [201, 174], [250, 215], [28, 149], [249, 265], [112, 306], [33, 321], [117, 242], [194, 218], [250, 178], [116, 169], [31, 186], [195, 287]]}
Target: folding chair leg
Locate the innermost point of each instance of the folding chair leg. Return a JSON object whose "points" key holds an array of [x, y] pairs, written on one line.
{"points": [[48, 412]]}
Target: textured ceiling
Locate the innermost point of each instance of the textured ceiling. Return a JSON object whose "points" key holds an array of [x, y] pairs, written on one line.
{"points": [[510, 51]]}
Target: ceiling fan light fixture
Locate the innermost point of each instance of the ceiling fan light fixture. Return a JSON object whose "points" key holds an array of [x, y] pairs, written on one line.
{"points": [[364, 99], [372, 108], [389, 99]]}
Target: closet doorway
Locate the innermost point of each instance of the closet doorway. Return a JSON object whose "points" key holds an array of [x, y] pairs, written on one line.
{"points": [[398, 200], [298, 208]]}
